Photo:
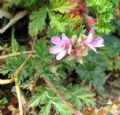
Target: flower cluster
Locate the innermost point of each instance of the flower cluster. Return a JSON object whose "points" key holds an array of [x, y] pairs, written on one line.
{"points": [[75, 47]]}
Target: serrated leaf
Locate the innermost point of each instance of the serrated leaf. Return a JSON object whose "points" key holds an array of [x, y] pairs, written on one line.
{"points": [[61, 6], [104, 16], [45, 110], [14, 43], [5, 69], [42, 50], [60, 107], [57, 23], [75, 21], [11, 65], [92, 74], [41, 97], [37, 21], [81, 96], [38, 98], [41, 46], [47, 97]]}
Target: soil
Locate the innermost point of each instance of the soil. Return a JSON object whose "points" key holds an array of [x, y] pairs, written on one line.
{"points": [[112, 90]]}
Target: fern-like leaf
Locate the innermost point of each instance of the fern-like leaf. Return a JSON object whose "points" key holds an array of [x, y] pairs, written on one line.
{"points": [[14, 43], [37, 21], [45, 110], [61, 6], [82, 96], [47, 99], [60, 107]]}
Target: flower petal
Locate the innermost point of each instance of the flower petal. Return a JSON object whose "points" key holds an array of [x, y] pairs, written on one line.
{"points": [[91, 47], [90, 35], [65, 39], [55, 49], [61, 55], [98, 42], [70, 49], [56, 40]]}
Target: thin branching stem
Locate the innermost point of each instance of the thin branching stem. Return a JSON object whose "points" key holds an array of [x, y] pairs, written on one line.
{"points": [[7, 81], [15, 54], [15, 78], [19, 96], [61, 97], [17, 83]]}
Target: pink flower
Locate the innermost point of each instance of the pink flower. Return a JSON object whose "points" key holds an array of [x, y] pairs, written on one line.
{"points": [[62, 46], [94, 43]]}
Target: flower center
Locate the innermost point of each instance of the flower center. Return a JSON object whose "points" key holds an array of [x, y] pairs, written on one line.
{"points": [[65, 46], [77, 52]]}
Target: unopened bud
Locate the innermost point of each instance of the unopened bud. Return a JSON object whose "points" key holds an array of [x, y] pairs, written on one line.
{"points": [[74, 40]]}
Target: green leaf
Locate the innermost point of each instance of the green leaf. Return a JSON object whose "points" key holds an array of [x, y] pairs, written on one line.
{"points": [[81, 96], [11, 65], [112, 50], [60, 107], [105, 14], [61, 6], [45, 110], [26, 3], [41, 47], [92, 74], [42, 50], [37, 21], [58, 23], [46, 97], [3, 101], [75, 21], [38, 98], [14, 43], [5, 69]]}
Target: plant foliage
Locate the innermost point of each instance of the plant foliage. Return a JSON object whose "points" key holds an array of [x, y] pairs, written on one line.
{"points": [[52, 18], [3, 102], [105, 13]]}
